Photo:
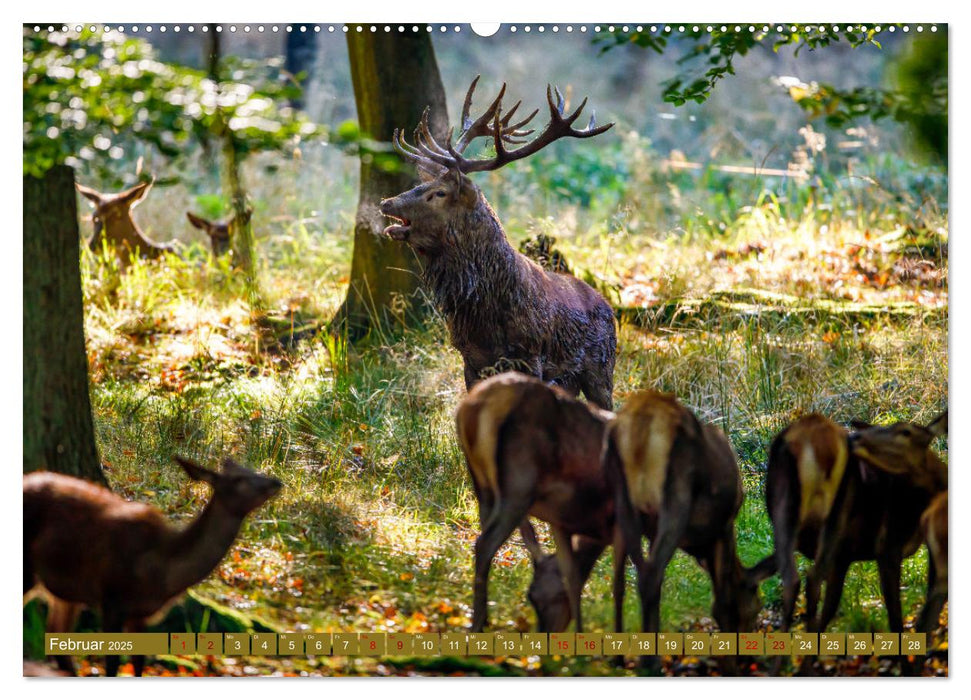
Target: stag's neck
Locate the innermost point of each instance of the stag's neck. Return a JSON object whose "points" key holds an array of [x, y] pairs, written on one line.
{"points": [[198, 549], [479, 263]]}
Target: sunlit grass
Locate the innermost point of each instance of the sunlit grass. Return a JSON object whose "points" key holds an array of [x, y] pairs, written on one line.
{"points": [[375, 526]]}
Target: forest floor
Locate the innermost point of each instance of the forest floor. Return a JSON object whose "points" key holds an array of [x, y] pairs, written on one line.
{"points": [[374, 528]]}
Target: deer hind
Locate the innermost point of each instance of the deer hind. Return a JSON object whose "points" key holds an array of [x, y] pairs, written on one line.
{"points": [[220, 232], [113, 223], [675, 480], [503, 310], [546, 464], [89, 547], [841, 497]]}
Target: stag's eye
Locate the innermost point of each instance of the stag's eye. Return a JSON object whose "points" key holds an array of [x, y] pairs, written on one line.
{"points": [[440, 193]]}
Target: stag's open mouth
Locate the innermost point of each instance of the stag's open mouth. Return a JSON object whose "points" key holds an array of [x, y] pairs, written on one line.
{"points": [[398, 232]]}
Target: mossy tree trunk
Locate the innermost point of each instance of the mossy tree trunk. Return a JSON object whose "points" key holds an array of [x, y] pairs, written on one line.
{"points": [[242, 242], [58, 427], [395, 77]]}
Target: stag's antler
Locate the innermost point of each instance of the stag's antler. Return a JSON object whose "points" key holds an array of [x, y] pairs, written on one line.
{"points": [[432, 157]]}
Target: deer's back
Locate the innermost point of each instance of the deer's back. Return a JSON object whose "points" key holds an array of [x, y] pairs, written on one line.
{"points": [[85, 542]]}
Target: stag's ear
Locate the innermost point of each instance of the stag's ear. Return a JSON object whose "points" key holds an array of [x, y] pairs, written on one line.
{"points": [[90, 194], [938, 426], [427, 174], [197, 472], [468, 193], [198, 221]]}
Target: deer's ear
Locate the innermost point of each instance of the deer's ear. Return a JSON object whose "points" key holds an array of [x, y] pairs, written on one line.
{"points": [[137, 193], [938, 426], [197, 221], [467, 191], [88, 193], [426, 174], [757, 574], [231, 466], [197, 472]]}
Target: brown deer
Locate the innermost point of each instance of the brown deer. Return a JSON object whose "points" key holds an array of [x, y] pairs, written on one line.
{"points": [[113, 223], [503, 310], [676, 482], [889, 476], [805, 469], [933, 526], [533, 449], [89, 547], [220, 232]]}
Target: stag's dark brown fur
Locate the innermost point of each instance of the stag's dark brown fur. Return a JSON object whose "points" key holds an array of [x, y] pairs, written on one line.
{"points": [[503, 310]]}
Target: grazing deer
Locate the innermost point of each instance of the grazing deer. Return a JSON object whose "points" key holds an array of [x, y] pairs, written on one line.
{"points": [[532, 449], [888, 477], [805, 469], [933, 526], [220, 232], [676, 481], [113, 223], [89, 547], [503, 310]]}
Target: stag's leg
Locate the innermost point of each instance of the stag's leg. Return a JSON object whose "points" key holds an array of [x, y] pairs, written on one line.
{"points": [[506, 515], [566, 560], [597, 389], [889, 568], [471, 376]]}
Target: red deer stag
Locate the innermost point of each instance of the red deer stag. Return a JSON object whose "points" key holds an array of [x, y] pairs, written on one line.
{"points": [[114, 224], [676, 482], [532, 449], [89, 547], [503, 310], [220, 232]]}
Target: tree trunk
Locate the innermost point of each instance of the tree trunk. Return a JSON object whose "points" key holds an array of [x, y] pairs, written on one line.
{"points": [[242, 242], [58, 427], [301, 51], [395, 78]]}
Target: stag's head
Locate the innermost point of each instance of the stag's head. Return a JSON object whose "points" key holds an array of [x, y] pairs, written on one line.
{"points": [[425, 216]]}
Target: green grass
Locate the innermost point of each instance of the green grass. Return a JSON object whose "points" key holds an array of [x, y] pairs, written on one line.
{"points": [[787, 309]]}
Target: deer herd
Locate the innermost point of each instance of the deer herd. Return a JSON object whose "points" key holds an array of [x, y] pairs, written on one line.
{"points": [[532, 340]]}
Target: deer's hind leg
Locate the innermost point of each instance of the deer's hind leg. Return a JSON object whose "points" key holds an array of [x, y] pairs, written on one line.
{"points": [[506, 516]]}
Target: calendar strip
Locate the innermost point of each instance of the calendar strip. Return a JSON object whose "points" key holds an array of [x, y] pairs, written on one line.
{"points": [[381, 644]]}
